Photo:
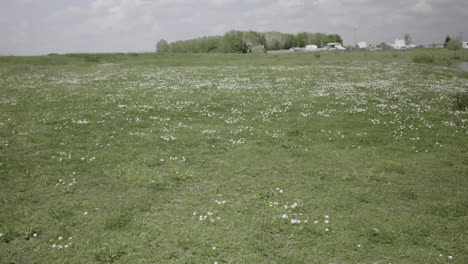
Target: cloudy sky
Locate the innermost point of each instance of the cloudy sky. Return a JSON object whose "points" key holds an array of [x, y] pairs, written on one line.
{"points": [[29, 27]]}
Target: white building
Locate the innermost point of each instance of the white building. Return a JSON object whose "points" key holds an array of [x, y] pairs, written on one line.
{"points": [[311, 47], [465, 44], [362, 45], [333, 46], [399, 44]]}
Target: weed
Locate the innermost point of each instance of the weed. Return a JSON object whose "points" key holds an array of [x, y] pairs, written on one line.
{"points": [[423, 58], [461, 101]]}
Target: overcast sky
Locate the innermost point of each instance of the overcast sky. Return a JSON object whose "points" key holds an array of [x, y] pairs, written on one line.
{"points": [[29, 27]]}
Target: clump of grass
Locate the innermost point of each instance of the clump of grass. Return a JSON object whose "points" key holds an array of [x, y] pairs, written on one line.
{"points": [[461, 100], [92, 58], [423, 58], [317, 55]]}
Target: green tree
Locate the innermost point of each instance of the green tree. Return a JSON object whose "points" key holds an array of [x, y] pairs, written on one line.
{"points": [[383, 46], [162, 46], [407, 38], [454, 44], [276, 45], [447, 39], [290, 41], [234, 42], [334, 38], [302, 39]]}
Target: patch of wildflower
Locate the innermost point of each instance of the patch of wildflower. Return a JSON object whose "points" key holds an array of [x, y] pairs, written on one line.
{"points": [[209, 131], [138, 134], [88, 158], [62, 156], [66, 183], [177, 159], [238, 141], [168, 137], [84, 121], [62, 243], [209, 216], [220, 202], [275, 133]]}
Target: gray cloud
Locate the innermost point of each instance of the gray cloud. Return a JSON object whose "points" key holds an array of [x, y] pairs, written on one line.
{"points": [[40, 27]]}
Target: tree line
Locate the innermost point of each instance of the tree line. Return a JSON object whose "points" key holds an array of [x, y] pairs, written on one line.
{"points": [[247, 41]]}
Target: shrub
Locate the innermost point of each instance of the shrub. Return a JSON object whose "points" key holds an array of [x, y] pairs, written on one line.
{"points": [[461, 101], [423, 58], [91, 58]]}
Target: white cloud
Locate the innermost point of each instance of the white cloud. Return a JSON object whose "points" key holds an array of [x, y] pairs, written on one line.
{"points": [[422, 7]]}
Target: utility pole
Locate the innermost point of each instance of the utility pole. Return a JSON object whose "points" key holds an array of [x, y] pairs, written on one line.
{"points": [[355, 41]]}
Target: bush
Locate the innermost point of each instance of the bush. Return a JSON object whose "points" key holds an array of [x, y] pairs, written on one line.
{"points": [[91, 58], [423, 58], [461, 101]]}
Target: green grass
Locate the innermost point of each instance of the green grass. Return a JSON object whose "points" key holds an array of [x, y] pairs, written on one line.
{"points": [[125, 153]]}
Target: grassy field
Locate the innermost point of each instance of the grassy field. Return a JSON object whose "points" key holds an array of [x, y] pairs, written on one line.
{"points": [[358, 157]]}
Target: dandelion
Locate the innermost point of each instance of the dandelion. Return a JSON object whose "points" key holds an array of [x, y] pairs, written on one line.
{"points": [[326, 221], [450, 257], [85, 213], [60, 238], [326, 229], [295, 221], [316, 222]]}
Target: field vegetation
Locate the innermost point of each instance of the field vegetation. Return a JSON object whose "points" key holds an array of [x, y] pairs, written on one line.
{"points": [[357, 157]]}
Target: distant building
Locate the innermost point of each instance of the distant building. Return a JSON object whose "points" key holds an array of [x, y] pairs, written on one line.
{"points": [[362, 45], [333, 46], [311, 47], [400, 44]]}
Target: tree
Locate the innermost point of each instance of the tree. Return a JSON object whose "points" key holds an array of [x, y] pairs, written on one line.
{"points": [[407, 38], [276, 45], [162, 46], [302, 39], [290, 41], [383, 46], [447, 39], [334, 38], [454, 44]]}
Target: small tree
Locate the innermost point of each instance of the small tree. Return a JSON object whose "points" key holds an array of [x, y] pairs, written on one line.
{"points": [[407, 38], [383, 46], [454, 44], [447, 39], [162, 46]]}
